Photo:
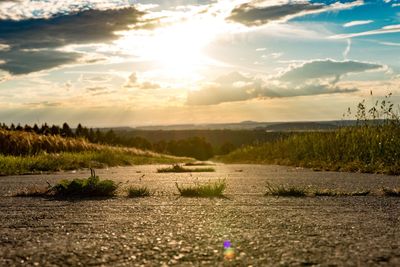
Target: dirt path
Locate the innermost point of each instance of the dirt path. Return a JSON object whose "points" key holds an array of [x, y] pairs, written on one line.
{"points": [[167, 230]]}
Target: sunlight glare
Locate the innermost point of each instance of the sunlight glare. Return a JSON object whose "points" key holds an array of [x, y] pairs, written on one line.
{"points": [[177, 50]]}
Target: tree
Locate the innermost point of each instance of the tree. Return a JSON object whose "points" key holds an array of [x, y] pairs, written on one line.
{"points": [[19, 127], [110, 137], [28, 128], [45, 129], [55, 130], [36, 129], [66, 130], [79, 130]]}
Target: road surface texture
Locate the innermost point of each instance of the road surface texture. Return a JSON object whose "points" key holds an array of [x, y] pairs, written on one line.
{"points": [[167, 230]]}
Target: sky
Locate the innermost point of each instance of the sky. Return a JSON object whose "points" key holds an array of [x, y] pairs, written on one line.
{"points": [[141, 62]]}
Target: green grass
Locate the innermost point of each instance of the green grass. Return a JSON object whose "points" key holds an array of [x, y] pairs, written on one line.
{"points": [[370, 149], [25, 153], [299, 191], [85, 188], [76, 188], [44, 162], [179, 168], [138, 191], [210, 189], [282, 191]]}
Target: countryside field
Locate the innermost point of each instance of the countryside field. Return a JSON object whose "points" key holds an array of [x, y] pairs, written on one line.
{"points": [[199, 133]]}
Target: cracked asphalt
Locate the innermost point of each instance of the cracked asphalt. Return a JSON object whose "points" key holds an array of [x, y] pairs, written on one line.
{"points": [[167, 230]]}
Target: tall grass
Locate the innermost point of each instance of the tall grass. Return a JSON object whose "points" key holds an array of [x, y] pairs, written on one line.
{"points": [[364, 148], [373, 146], [18, 143], [24, 152]]}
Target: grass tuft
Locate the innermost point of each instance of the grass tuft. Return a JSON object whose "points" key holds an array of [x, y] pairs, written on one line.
{"points": [[335, 193], [198, 163], [80, 188], [210, 189], [179, 168], [134, 191], [290, 191], [293, 191], [390, 192]]}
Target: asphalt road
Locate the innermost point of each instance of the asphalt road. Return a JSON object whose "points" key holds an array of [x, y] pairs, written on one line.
{"points": [[165, 229]]}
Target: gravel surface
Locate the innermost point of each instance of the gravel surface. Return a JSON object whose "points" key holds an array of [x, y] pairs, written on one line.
{"points": [[165, 229]]}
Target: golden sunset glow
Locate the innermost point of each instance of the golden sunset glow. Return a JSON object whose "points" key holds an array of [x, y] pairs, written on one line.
{"points": [[217, 60], [176, 51]]}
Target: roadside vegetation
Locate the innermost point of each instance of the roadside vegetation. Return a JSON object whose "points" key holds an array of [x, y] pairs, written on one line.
{"points": [[28, 152], [178, 168], [300, 191], [76, 188], [373, 146], [210, 189], [138, 191], [198, 163]]}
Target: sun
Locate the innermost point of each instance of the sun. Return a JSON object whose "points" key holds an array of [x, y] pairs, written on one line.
{"points": [[176, 50]]}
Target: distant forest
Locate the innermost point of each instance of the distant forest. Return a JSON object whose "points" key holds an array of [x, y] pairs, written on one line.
{"points": [[199, 144]]}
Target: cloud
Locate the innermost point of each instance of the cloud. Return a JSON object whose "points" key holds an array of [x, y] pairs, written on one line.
{"points": [[347, 50], [4, 47], [133, 82], [390, 43], [326, 69], [357, 23], [34, 44], [256, 13], [312, 78], [23, 62], [42, 9], [384, 30]]}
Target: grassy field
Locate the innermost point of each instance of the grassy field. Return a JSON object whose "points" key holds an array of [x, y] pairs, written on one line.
{"points": [[371, 149], [23, 153]]}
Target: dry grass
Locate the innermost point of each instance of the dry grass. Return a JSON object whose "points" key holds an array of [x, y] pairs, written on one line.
{"points": [[34, 191]]}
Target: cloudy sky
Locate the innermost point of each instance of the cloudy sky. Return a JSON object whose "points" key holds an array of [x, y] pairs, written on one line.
{"points": [[143, 62]]}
